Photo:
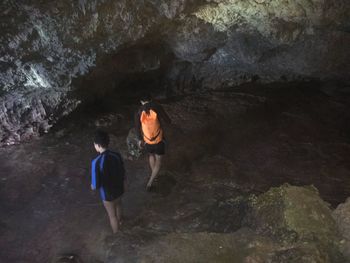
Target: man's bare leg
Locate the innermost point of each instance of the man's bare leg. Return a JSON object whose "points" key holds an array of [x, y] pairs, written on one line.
{"points": [[152, 161], [155, 171], [112, 214]]}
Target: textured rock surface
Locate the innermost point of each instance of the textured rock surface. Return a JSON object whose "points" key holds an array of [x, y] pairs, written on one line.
{"points": [[279, 39], [23, 115], [295, 214], [342, 216], [44, 46], [293, 210], [178, 46], [307, 230], [242, 246], [132, 141]]}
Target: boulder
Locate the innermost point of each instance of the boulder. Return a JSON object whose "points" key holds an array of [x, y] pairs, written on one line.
{"points": [[293, 214], [134, 150], [342, 217]]}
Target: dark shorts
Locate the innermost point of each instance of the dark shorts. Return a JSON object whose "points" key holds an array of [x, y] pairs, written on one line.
{"points": [[158, 148], [110, 195]]}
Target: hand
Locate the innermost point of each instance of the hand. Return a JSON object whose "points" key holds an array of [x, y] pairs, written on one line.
{"points": [[92, 187]]}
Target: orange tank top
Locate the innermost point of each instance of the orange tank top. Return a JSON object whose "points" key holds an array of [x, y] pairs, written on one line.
{"points": [[151, 130]]}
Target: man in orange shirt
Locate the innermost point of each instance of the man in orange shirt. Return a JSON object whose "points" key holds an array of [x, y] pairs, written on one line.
{"points": [[148, 123]]}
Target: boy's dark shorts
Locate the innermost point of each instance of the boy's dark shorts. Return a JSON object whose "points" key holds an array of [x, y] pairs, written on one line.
{"points": [[158, 148]]}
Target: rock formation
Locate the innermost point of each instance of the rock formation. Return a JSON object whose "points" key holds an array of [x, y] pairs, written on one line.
{"points": [[285, 224], [342, 216], [50, 50]]}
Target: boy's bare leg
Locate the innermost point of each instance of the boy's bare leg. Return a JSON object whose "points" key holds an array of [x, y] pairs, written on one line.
{"points": [[112, 214], [118, 209], [158, 162]]}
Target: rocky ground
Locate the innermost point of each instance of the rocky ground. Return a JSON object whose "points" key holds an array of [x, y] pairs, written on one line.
{"points": [[213, 201]]}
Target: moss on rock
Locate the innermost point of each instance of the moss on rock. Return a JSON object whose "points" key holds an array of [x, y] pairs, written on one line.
{"points": [[294, 215], [293, 209]]}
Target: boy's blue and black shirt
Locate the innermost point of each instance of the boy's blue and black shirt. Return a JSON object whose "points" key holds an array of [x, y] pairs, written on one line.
{"points": [[108, 174]]}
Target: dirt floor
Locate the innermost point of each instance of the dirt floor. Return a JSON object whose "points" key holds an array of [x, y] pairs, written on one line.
{"points": [[222, 146]]}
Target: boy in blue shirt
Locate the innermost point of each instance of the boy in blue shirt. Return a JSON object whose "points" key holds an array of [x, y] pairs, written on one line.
{"points": [[108, 177]]}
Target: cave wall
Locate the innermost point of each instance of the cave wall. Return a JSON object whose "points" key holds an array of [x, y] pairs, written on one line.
{"points": [[48, 47], [45, 45]]}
